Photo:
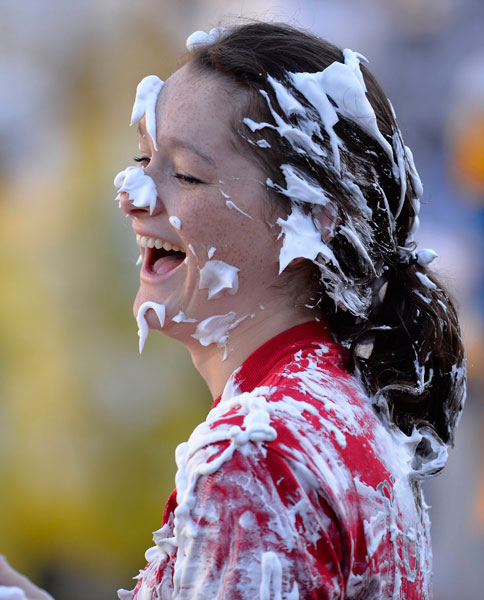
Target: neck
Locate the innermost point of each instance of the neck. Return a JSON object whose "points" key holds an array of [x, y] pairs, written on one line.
{"points": [[244, 339]]}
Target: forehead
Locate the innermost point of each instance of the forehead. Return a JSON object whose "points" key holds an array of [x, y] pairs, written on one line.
{"points": [[196, 105]]}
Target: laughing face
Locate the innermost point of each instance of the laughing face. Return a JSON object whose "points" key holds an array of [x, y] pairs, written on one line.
{"points": [[206, 245]]}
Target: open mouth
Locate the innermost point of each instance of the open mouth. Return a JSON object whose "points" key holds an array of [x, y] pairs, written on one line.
{"points": [[159, 257]]}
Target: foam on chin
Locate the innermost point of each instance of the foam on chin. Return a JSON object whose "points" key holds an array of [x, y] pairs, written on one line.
{"points": [[141, 320]]}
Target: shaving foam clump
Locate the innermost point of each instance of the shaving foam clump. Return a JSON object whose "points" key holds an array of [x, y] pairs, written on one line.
{"points": [[215, 330], [181, 317], [175, 221], [201, 38], [218, 277], [145, 104], [141, 189], [141, 320]]}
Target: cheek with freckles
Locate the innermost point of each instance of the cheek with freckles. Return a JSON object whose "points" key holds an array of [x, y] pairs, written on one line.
{"points": [[238, 240]]}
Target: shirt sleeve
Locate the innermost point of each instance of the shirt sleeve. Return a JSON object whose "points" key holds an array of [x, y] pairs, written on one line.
{"points": [[259, 533]]}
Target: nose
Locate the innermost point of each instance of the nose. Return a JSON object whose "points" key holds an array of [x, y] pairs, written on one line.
{"points": [[138, 193], [126, 204]]}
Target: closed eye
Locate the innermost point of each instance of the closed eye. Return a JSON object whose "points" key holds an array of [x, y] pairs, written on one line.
{"points": [[142, 159], [188, 179]]}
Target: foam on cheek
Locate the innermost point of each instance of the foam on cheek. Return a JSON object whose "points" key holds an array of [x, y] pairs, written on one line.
{"points": [[230, 205], [215, 330], [141, 320], [145, 104], [141, 189], [218, 277], [175, 222]]}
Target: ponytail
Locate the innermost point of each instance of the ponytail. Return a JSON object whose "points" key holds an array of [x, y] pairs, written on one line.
{"points": [[409, 352]]}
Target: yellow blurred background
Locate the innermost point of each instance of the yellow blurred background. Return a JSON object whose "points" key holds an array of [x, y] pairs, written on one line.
{"points": [[87, 427]]}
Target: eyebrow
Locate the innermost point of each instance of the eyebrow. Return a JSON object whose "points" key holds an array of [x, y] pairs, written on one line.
{"points": [[176, 143]]}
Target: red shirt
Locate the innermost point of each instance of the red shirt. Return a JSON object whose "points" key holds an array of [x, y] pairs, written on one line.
{"points": [[292, 489]]}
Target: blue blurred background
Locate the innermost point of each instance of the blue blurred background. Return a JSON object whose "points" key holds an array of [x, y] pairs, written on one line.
{"points": [[87, 427]]}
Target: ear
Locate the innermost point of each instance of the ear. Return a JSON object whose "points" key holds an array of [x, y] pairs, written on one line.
{"points": [[327, 220]]}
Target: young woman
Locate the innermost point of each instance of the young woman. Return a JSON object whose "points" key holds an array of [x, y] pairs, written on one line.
{"points": [[275, 206]]}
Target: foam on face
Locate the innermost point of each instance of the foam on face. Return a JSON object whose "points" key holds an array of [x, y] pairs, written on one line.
{"points": [[141, 320], [145, 104], [181, 317], [215, 330], [141, 189], [233, 206], [218, 277], [175, 221]]}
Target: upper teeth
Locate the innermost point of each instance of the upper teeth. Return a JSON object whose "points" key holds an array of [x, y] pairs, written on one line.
{"points": [[148, 242]]}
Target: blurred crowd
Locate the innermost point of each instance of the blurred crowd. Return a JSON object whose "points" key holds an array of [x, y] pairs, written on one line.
{"points": [[87, 427]]}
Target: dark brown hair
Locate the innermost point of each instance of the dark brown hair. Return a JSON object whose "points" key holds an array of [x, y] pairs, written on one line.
{"points": [[406, 344]]}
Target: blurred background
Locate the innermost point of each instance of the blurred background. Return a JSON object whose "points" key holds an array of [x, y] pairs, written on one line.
{"points": [[88, 429]]}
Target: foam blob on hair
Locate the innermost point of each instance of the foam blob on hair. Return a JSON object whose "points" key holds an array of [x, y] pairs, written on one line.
{"points": [[301, 239], [145, 104], [201, 38]]}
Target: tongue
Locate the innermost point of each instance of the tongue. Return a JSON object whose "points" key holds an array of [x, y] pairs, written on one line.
{"points": [[167, 263]]}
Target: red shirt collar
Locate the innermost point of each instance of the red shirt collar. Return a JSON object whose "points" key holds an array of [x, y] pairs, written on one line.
{"points": [[262, 361]]}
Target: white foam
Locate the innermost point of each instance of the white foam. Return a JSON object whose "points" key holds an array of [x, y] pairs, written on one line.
{"points": [[145, 104], [175, 221], [426, 281], [215, 330], [425, 256], [141, 320], [233, 206], [218, 277], [298, 188], [201, 38], [141, 189], [301, 239], [11, 592], [181, 317]]}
